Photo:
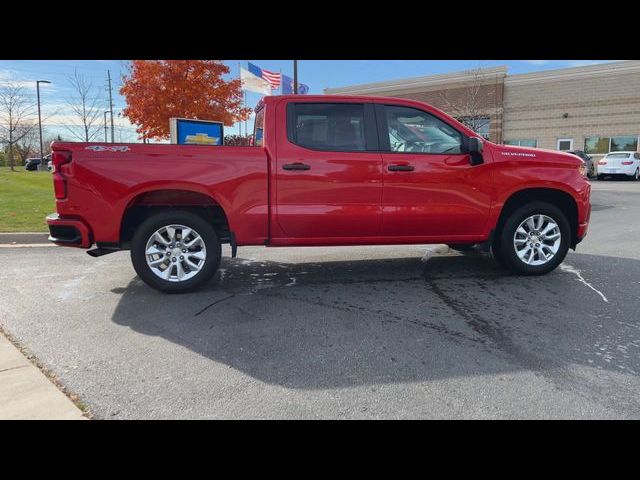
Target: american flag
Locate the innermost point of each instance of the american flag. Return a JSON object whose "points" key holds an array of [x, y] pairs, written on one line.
{"points": [[272, 77]]}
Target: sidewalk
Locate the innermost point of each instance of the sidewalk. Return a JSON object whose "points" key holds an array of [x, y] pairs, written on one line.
{"points": [[26, 393]]}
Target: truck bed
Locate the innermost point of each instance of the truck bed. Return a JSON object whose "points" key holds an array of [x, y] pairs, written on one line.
{"points": [[104, 179]]}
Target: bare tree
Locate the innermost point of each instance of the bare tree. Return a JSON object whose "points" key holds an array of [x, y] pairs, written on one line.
{"points": [[472, 103], [28, 144], [16, 112], [87, 107]]}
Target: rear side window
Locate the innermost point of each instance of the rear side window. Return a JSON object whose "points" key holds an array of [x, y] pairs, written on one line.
{"points": [[329, 126]]}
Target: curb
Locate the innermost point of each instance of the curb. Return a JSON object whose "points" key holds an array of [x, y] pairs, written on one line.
{"points": [[24, 238]]}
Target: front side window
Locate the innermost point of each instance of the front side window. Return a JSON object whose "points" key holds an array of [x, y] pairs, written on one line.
{"points": [[480, 124], [414, 131], [330, 126]]}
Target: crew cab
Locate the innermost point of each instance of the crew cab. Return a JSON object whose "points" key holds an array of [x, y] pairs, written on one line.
{"points": [[323, 170]]}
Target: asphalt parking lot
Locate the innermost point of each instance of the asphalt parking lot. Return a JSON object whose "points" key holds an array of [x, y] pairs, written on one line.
{"points": [[366, 332]]}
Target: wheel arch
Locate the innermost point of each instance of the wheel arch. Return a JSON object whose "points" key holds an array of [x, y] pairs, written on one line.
{"points": [[146, 203], [555, 196]]}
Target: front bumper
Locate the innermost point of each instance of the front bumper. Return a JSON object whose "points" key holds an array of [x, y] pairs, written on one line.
{"points": [[68, 232]]}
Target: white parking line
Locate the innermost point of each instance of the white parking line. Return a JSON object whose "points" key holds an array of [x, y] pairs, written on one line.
{"points": [[569, 269]]}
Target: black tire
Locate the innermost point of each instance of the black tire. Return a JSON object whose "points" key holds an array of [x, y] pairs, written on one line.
{"points": [[636, 176], [506, 252], [180, 217], [600, 177], [461, 247]]}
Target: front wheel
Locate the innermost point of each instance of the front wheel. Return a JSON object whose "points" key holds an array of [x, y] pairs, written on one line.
{"points": [[175, 251], [534, 239]]}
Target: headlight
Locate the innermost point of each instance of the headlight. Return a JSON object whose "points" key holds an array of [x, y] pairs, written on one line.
{"points": [[583, 169]]}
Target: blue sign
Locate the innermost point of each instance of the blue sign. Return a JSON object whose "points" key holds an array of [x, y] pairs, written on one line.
{"points": [[196, 132]]}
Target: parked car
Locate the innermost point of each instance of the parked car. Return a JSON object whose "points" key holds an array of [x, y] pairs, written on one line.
{"points": [[330, 170], [31, 164], [620, 164], [591, 168]]}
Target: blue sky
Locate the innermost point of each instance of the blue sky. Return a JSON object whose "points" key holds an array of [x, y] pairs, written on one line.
{"points": [[318, 74]]}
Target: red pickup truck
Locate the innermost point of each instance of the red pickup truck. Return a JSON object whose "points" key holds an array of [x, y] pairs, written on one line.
{"points": [[324, 170]]}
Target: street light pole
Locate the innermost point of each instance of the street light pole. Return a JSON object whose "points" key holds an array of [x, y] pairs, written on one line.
{"points": [[42, 165]]}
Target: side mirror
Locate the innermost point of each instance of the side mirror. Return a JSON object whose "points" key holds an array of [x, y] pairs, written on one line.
{"points": [[475, 150]]}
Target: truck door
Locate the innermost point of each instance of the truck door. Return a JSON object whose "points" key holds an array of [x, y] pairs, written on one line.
{"points": [[430, 187], [328, 171]]}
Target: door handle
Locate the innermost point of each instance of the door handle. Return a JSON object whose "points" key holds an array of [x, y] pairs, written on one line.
{"points": [[401, 168], [296, 166]]}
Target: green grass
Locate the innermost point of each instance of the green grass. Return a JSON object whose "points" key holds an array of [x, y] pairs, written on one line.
{"points": [[26, 198]]}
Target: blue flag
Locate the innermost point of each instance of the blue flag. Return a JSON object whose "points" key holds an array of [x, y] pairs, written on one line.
{"points": [[287, 86]]}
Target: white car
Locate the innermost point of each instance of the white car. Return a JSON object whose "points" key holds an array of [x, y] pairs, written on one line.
{"points": [[620, 163]]}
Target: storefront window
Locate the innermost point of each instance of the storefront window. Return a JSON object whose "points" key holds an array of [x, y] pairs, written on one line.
{"points": [[522, 143], [596, 145], [624, 144], [601, 145]]}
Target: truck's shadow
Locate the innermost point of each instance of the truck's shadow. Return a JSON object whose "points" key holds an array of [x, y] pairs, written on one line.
{"points": [[351, 323]]}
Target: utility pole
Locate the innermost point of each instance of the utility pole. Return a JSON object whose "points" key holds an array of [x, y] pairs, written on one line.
{"points": [[295, 77], [110, 103], [105, 125]]}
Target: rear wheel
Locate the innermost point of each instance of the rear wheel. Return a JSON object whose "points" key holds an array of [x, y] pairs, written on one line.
{"points": [[600, 177], [175, 251], [636, 176], [534, 239]]}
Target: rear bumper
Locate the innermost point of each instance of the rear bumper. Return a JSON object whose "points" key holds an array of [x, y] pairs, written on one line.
{"points": [[68, 232], [629, 170]]}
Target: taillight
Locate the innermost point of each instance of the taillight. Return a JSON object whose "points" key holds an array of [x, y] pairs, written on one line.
{"points": [[627, 163], [602, 162], [59, 158]]}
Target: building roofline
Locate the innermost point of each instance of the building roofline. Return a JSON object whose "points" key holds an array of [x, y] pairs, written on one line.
{"points": [[570, 73], [416, 82]]}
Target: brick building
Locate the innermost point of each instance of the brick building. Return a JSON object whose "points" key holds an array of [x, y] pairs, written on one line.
{"points": [[594, 108]]}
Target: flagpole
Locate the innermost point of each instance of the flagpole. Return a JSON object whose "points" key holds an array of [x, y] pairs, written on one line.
{"points": [[295, 77], [243, 100]]}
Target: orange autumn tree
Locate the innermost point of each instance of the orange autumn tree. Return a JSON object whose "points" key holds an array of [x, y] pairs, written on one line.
{"points": [[157, 90]]}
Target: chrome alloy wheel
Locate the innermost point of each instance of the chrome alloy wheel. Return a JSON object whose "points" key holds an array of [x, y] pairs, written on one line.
{"points": [[537, 239], [175, 253]]}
